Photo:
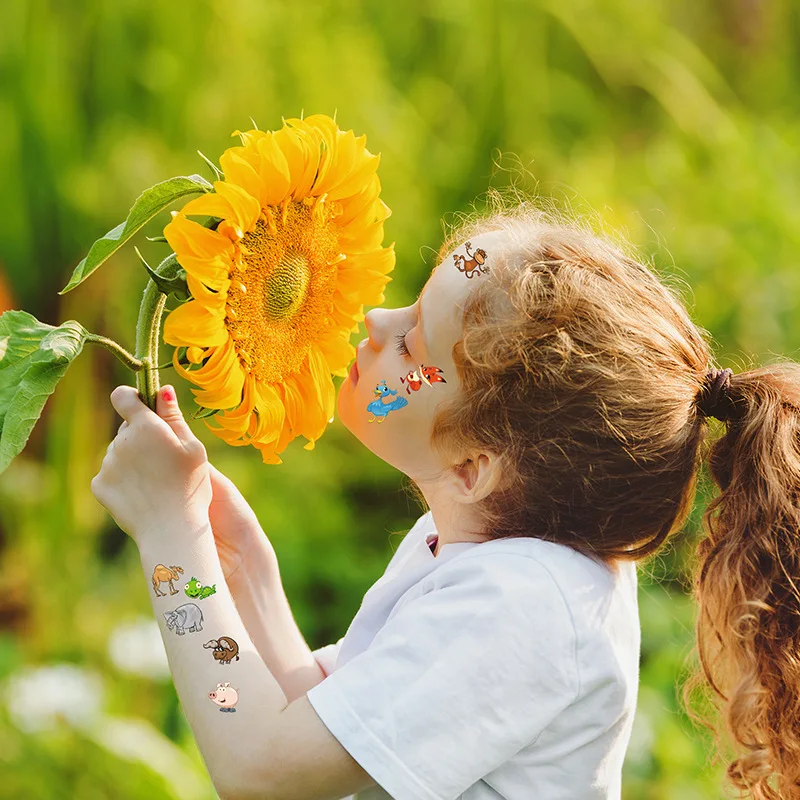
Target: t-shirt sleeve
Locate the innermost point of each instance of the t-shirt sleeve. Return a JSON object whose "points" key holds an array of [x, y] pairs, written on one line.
{"points": [[458, 680], [326, 656]]}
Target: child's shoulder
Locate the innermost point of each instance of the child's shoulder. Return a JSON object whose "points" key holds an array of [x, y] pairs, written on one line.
{"points": [[589, 588]]}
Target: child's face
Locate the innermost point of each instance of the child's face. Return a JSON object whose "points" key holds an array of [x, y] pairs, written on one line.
{"points": [[390, 397]]}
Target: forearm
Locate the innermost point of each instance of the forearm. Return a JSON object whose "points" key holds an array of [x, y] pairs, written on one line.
{"points": [[235, 742], [258, 592]]}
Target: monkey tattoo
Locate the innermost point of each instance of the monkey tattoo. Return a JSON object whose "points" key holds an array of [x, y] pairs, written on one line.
{"points": [[472, 263]]}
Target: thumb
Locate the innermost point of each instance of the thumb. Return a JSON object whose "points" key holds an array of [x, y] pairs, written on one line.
{"points": [[168, 409]]}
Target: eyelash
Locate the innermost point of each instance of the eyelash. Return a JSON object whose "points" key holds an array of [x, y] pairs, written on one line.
{"points": [[400, 338]]}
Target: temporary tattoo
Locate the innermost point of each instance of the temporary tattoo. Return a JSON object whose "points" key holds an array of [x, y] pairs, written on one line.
{"points": [[225, 696], [162, 574], [431, 375], [427, 375], [187, 617], [378, 409], [472, 263], [225, 649], [197, 591]]}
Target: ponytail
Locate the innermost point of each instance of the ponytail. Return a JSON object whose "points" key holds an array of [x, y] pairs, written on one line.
{"points": [[747, 583]]}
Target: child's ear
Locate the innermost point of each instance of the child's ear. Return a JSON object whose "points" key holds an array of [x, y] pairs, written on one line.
{"points": [[477, 477]]}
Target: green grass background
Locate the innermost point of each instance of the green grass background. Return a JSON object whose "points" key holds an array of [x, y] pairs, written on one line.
{"points": [[675, 122]]}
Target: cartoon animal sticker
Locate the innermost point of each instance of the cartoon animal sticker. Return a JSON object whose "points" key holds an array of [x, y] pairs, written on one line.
{"points": [[162, 574], [472, 263], [197, 591], [412, 381], [187, 617], [380, 410], [426, 375], [431, 375], [225, 696], [225, 649]]}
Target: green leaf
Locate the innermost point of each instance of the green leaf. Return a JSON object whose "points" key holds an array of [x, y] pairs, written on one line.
{"points": [[169, 277], [147, 205], [33, 358]]}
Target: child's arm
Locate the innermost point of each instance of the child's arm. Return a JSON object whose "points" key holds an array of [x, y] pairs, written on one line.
{"points": [[252, 749], [253, 577], [154, 481]]}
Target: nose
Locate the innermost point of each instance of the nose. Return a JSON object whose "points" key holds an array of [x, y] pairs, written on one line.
{"points": [[381, 322], [376, 322]]}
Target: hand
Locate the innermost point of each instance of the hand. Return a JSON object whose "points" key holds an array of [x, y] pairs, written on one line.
{"points": [[155, 474], [237, 531]]}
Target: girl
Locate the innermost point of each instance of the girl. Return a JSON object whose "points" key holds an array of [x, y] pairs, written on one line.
{"points": [[554, 402]]}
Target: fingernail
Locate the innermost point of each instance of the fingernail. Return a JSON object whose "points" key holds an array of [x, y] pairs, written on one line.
{"points": [[167, 394]]}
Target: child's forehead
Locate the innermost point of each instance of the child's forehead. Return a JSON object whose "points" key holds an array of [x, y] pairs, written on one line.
{"points": [[465, 267], [444, 296]]}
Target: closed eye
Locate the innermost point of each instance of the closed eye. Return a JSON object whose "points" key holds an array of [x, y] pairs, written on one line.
{"points": [[400, 338]]}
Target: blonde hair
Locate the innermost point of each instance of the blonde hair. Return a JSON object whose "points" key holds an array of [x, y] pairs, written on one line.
{"points": [[581, 368]]}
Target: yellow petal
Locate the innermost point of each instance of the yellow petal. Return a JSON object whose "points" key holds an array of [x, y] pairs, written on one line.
{"points": [[195, 354], [326, 131], [242, 173], [349, 151], [338, 352], [302, 158], [292, 402], [357, 178], [363, 286], [246, 208], [224, 376], [191, 323], [238, 420], [318, 380], [271, 413], [381, 261], [363, 241], [214, 272], [214, 301], [354, 206], [211, 204], [273, 171], [188, 237], [250, 137]]}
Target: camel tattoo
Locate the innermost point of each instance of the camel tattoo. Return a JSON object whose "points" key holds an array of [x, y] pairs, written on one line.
{"points": [[162, 574]]}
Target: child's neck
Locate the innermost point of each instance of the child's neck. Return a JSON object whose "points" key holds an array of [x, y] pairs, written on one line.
{"points": [[453, 525]]}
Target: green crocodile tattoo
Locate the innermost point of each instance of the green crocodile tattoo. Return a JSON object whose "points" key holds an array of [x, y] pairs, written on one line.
{"points": [[197, 591]]}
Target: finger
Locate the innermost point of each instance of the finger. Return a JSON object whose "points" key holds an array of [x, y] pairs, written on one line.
{"points": [[168, 409], [128, 404]]}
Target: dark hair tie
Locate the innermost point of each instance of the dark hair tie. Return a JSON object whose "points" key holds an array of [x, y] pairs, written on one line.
{"points": [[714, 399]]}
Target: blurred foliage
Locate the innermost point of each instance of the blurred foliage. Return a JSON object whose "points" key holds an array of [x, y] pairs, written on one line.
{"points": [[676, 123]]}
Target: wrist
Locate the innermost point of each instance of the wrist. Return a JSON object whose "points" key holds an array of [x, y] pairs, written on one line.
{"points": [[257, 564], [182, 528]]}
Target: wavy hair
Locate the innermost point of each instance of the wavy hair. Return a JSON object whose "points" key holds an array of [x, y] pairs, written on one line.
{"points": [[582, 369]]}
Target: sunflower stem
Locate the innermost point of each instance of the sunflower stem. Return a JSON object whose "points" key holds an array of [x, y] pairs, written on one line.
{"points": [[148, 332], [128, 359]]}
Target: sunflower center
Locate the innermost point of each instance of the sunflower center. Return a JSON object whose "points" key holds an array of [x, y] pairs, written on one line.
{"points": [[286, 286], [281, 297]]}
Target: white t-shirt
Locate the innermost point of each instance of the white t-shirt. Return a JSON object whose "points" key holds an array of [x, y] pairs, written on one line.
{"points": [[501, 669]]}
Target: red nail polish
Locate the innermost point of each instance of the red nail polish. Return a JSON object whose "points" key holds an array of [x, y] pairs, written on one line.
{"points": [[167, 394]]}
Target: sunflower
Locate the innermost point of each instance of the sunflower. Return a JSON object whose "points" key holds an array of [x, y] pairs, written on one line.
{"points": [[279, 286]]}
